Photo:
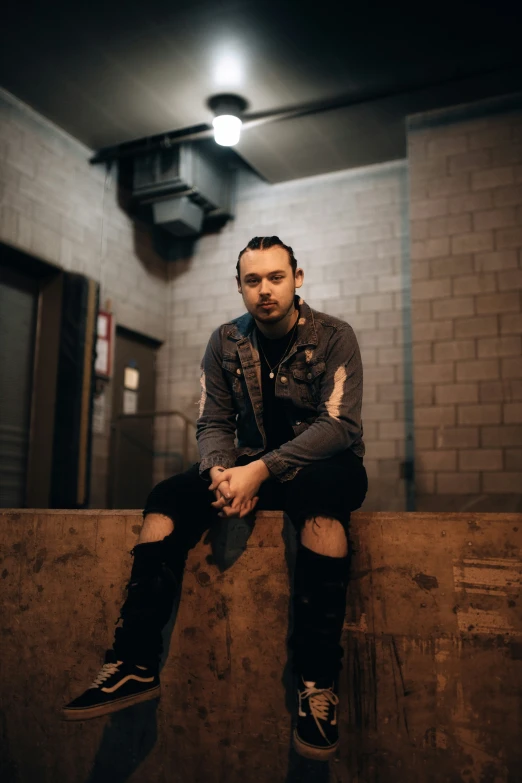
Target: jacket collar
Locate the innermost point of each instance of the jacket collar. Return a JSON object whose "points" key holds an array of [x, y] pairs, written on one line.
{"points": [[241, 328]]}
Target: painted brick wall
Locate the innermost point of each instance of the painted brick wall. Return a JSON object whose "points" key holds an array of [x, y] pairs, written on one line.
{"points": [[466, 257], [349, 231], [54, 205]]}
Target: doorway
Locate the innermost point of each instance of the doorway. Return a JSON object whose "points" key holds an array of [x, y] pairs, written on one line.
{"points": [[18, 313], [132, 441]]}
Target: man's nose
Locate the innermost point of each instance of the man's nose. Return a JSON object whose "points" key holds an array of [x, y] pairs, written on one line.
{"points": [[265, 287]]}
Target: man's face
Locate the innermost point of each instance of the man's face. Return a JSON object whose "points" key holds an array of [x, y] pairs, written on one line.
{"points": [[268, 284]]}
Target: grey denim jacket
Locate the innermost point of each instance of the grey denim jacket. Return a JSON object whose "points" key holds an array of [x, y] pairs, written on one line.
{"points": [[321, 378]]}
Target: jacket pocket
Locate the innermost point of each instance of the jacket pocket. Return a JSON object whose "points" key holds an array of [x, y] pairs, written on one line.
{"points": [[234, 376], [307, 380]]}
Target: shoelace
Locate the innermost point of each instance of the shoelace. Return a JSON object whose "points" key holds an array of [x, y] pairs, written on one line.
{"points": [[320, 698], [106, 671]]}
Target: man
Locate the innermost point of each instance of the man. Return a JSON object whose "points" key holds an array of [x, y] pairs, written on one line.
{"points": [[286, 381]]}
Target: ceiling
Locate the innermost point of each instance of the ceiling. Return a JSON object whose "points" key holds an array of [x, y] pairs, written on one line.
{"points": [[109, 73]]}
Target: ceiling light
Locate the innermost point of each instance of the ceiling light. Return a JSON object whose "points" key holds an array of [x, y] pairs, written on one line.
{"points": [[227, 129], [228, 110]]}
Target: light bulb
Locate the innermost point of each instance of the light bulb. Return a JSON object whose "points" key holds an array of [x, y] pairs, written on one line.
{"points": [[227, 129]]}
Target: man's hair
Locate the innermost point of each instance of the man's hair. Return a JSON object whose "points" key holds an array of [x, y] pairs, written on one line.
{"points": [[263, 243]]}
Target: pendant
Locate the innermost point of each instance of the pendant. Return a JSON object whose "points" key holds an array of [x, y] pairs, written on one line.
{"points": [[271, 375]]}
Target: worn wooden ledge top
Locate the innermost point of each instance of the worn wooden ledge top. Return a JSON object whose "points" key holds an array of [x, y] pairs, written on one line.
{"points": [[360, 516]]}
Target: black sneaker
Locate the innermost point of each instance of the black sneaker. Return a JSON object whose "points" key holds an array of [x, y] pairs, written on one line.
{"points": [[316, 735], [118, 685]]}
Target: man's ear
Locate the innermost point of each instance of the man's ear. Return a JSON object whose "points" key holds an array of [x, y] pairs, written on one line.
{"points": [[238, 285], [299, 278]]}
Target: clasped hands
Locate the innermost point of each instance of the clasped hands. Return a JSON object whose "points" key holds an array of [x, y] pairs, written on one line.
{"points": [[236, 489]]}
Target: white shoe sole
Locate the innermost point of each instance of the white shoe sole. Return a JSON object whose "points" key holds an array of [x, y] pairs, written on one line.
{"points": [[312, 752]]}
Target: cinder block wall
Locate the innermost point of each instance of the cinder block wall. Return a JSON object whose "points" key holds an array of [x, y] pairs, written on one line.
{"points": [[465, 170], [351, 234], [349, 231], [57, 207]]}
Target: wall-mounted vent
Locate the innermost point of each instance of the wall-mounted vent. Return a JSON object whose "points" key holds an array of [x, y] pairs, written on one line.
{"points": [[185, 184], [180, 216]]}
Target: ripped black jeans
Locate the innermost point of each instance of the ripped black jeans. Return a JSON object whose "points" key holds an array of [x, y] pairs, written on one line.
{"points": [[330, 488]]}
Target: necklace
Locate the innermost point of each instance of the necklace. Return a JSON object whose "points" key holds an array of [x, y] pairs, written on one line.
{"points": [[271, 369]]}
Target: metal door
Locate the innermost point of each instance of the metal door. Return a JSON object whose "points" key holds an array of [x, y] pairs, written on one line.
{"points": [[18, 308], [132, 444]]}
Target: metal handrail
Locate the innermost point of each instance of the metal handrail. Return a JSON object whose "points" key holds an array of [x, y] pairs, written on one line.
{"points": [[151, 414], [145, 415]]}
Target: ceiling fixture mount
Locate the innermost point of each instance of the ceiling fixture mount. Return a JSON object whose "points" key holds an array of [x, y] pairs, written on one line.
{"points": [[228, 110], [230, 105]]}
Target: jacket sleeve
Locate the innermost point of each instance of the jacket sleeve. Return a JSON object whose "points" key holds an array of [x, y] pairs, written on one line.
{"points": [[338, 423], [216, 424]]}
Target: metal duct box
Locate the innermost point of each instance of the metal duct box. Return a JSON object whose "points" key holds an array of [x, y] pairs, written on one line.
{"points": [[194, 170], [179, 216]]}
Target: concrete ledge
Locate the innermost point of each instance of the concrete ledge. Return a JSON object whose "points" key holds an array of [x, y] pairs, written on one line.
{"points": [[430, 689]]}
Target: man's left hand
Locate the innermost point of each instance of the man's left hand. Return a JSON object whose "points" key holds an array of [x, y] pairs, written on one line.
{"points": [[244, 483]]}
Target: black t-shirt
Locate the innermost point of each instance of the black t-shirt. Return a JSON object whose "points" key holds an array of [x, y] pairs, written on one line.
{"points": [[277, 428]]}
